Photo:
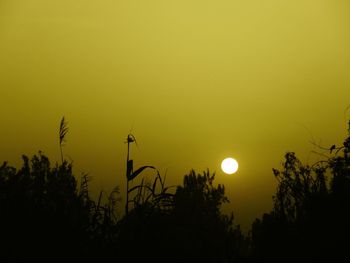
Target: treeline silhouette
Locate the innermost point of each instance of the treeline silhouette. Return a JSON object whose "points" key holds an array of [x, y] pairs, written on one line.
{"points": [[45, 215], [310, 220]]}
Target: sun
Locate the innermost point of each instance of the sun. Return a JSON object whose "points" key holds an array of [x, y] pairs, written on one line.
{"points": [[229, 166]]}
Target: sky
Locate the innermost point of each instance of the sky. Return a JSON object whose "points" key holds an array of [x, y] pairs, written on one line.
{"points": [[194, 80]]}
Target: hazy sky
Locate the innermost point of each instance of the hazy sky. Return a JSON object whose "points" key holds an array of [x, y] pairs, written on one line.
{"points": [[197, 80]]}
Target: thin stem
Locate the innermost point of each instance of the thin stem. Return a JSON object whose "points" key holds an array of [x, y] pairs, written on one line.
{"points": [[61, 152], [127, 181]]}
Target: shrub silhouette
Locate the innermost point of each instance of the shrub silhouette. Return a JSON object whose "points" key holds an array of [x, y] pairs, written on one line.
{"points": [[192, 229], [310, 219], [40, 207], [43, 213], [210, 235]]}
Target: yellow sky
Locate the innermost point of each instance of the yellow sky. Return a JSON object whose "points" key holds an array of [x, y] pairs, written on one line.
{"points": [[197, 81]]}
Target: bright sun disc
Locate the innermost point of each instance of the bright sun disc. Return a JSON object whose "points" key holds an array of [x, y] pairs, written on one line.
{"points": [[229, 166]]}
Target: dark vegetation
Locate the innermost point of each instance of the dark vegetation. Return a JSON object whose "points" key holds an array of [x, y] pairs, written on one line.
{"points": [[46, 215]]}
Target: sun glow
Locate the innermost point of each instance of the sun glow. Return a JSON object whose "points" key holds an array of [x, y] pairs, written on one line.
{"points": [[229, 166]]}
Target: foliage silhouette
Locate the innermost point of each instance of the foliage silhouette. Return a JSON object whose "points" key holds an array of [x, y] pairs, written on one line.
{"points": [[44, 214], [211, 234], [40, 207], [310, 219], [185, 227], [131, 174]]}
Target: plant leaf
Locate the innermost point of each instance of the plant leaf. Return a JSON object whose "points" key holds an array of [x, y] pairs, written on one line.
{"points": [[138, 171]]}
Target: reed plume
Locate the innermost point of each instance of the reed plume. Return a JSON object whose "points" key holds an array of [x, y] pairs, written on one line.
{"points": [[62, 135]]}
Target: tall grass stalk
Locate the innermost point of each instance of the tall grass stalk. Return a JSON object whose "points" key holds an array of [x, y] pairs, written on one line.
{"points": [[62, 135]]}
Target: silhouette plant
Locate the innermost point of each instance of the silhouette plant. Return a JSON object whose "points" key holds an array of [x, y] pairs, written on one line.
{"points": [[131, 174], [309, 221], [40, 207], [62, 135], [182, 227], [197, 212], [42, 210]]}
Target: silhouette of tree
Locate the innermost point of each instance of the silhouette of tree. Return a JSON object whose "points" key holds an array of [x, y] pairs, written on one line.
{"points": [[183, 227], [309, 221], [202, 231], [43, 213]]}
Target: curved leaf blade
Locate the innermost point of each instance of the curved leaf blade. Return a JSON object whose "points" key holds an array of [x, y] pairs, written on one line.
{"points": [[138, 171]]}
